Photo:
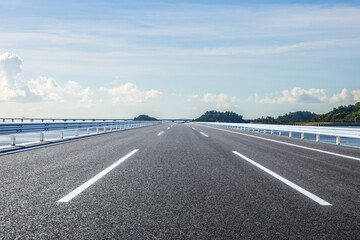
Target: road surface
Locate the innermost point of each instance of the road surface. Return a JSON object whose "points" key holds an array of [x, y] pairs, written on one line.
{"points": [[181, 181]]}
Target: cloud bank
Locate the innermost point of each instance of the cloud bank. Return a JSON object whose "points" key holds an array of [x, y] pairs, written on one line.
{"points": [[299, 95]]}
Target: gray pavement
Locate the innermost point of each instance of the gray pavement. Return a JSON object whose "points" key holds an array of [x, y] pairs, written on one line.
{"points": [[181, 184]]}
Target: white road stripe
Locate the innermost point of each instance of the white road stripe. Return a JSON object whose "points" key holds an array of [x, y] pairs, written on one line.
{"points": [[168, 128], [287, 182], [204, 134], [87, 184], [289, 144], [160, 133], [193, 128]]}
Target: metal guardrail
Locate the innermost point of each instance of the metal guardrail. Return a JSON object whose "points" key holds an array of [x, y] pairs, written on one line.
{"points": [[61, 120], [318, 131], [23, 120], [17, 130], [10, 128]]}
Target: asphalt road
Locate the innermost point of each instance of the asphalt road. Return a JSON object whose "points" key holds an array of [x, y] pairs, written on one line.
{"points": [[185, 181]]}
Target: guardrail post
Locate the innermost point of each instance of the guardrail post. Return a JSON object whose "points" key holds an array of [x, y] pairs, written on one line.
{"points": [[97, 130], [338, 140], [272, 131], [264, 130], [290, 134], [12, 140], [302, 135], [61, 134], [279, 133], [88, 131], [317, 137], [258, 130], [41, 137], [76, 132]]}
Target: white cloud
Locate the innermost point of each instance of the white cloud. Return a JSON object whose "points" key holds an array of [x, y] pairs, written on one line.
{"points": [[223, 101], [131, 94], [42, 89], [356, 95], [265, 100], [47, 88], [300, 96], [11, 89], [10, 68], [86, 100], [342, 97]]}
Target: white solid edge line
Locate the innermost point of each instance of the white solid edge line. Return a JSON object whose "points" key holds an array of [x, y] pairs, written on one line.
{"points": [[87, 184], [160, 133], [289, 144], [204, 134], [287, 182]]}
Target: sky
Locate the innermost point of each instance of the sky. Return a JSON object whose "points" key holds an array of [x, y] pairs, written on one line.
{"points": [[177, 59]]}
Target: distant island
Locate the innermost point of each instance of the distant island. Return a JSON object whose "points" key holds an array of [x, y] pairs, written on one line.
{"points": [[215, 116], [144, 117]]}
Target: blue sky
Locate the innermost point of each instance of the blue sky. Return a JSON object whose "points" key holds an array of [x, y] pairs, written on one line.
{"points": [[119, 59]]}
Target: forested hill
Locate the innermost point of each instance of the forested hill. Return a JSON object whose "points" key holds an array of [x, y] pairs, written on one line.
{"points": [[214, 116], [144, 117], [350, 113], [298, 116]]}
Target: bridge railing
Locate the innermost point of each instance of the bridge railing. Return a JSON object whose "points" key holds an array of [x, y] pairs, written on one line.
{"points": [[12, 134], [337, 132], [62, 120]]}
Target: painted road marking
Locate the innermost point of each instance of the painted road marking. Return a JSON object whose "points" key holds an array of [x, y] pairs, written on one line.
{"points": [[160, 133], [287, 182], [193, 128], [168, 128], [289, 144], [87, 184], [204, 134]]}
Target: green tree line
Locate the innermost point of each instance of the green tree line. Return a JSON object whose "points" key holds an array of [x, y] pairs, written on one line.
{"points": [[350, 113], [215, 116]]}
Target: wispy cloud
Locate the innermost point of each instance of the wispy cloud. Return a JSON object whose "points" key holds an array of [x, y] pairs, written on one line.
{"points": [[192, 98], [302, 96]]}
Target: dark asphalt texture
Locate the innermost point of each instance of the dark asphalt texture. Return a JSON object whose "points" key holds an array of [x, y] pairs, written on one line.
{"points": [[180, 185]]}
